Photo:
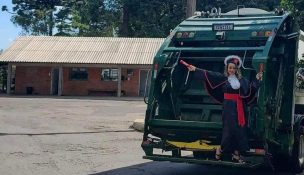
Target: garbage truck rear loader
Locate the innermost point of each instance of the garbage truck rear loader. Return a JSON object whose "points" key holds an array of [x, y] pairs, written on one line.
{"points": [[181, 116]]}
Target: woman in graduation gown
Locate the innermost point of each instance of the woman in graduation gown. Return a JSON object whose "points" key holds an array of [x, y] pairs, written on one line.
{"points": [[234, 92]]}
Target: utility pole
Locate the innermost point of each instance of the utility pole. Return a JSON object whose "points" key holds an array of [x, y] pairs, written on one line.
{"points": [[191, 8]]}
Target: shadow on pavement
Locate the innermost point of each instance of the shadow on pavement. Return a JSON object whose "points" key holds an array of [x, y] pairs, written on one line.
{"points": [[64, 133], [112, 98], [169, 168]]}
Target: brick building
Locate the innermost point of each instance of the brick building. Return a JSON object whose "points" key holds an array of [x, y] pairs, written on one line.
{"points": [[79, 65]]}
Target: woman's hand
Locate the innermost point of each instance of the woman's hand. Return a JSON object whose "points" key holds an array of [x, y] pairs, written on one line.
{"points": [[259, 76], [191, 67]]}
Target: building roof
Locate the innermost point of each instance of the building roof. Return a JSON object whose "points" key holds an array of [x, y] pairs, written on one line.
{"points": [[83, 50], [88, 50]]}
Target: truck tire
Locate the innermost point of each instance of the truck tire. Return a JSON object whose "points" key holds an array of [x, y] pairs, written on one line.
{"points": [[297, 158], [279, 163]]}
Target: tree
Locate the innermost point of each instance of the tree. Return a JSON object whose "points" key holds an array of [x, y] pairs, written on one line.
{"points": [[35, 17], [228, 5], [73, 17], [296, 7], [145, 18], [93, 18], [191, 8], [63, 21], [127, 18]]}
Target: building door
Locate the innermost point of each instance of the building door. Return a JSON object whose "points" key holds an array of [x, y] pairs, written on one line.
{"points": [[144, 85], [55, 81], [3, 77]]}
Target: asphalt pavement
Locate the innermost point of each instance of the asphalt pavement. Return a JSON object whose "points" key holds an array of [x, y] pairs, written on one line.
{"points": [[83, 135], [74, 135]]}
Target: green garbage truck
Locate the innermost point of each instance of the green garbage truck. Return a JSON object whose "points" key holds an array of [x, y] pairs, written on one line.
{"points": [[183, 123]]}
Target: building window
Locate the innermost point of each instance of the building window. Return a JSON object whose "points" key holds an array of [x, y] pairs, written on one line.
{"points": [[78, 73], [109, 74], [130, 72]]}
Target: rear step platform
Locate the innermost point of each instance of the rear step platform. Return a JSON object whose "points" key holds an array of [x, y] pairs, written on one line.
{"points": [[202, 161]]}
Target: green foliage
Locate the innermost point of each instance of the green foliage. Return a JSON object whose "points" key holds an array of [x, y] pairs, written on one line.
{"points": [[65, 18], [92, 19], [34, 17], [228, 5], [62, 21], [300, 81], [127, 18], [147, 18], [297, 9], [155, 18]]}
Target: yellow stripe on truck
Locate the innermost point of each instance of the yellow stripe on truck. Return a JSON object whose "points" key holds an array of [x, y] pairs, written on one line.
{"points": [[197, 145]]}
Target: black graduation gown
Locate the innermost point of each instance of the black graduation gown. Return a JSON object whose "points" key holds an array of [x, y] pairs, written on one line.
{"points": [[234, 135]]}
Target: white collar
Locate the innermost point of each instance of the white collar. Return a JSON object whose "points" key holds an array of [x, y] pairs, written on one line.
{"points": [[234, 82]]}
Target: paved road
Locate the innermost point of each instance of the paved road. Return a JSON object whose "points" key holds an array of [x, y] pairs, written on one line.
{"points": [[81, 136], [168, 168], [68, 136]]}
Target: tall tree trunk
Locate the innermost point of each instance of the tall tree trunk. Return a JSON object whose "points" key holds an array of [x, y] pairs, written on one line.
{"points": [[191, 8], [51, 24], [125, 21]]}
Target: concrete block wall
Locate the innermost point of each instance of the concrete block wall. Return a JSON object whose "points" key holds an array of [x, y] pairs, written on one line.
{"points": [[40, 80], [37, 78], [129, 84], [82, 87]]}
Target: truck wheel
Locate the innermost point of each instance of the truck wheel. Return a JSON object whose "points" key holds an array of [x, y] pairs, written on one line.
{"points": [[279, 163], [298, 151]]}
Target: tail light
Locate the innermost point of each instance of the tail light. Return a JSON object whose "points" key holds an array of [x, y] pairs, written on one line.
{"points": [[155, 70], [185, 34], [257, 34], [258, 151]]}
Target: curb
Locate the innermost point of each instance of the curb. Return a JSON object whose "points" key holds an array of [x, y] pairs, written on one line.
{"points": [[138, 125]]}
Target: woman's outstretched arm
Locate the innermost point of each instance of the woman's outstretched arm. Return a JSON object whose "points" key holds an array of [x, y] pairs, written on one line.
{"points": [[214, 79], [190, 66]]}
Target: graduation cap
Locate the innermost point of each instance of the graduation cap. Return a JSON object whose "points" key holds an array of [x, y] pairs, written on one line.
{"points": [[233, 59]]}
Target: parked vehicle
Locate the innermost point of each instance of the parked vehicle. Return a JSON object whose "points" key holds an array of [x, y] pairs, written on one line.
{"points": [[182, 117]]}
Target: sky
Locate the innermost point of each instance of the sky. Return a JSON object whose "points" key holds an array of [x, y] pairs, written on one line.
{"points": [[8, 31]]}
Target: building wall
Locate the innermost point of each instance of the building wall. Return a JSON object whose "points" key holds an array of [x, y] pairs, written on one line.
{"points": [[37, 78], [40, 80], [130, 84], [95, 86]]}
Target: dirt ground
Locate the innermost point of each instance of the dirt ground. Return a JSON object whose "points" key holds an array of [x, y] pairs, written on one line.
{"points": [[43, 135]]}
